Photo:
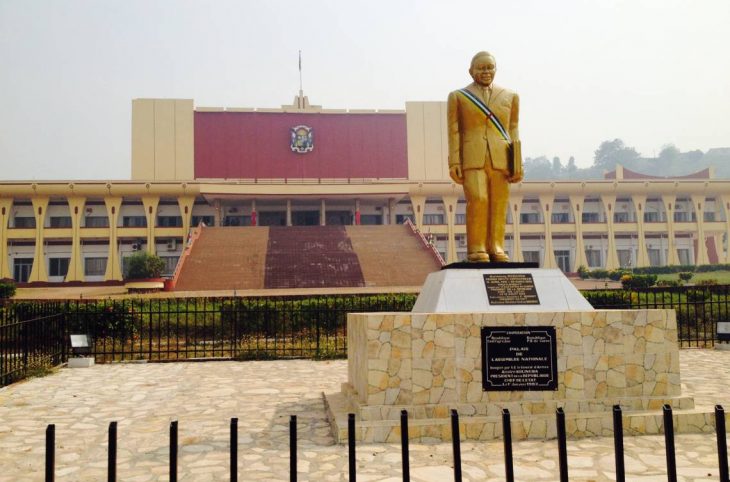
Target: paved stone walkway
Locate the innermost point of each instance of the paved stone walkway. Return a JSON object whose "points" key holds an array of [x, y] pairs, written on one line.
{"points": [[144, 398]]}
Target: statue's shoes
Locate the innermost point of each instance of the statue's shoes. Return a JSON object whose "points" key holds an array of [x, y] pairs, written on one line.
{"points": [[500, 257], [478, 257]]}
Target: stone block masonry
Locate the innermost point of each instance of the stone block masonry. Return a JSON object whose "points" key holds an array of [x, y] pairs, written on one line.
{"points": [[430, 363]]}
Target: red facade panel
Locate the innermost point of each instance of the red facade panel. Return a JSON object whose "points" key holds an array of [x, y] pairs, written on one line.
{"points": [[257, 145]]}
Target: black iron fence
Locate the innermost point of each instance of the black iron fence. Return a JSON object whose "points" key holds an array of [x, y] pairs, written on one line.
{"points": [[563, 466], [32, 338], [698, 308], [36, 333], [169, 329]]}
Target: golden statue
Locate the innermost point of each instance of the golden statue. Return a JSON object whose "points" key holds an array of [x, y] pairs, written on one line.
{"points": [[484, 156]]}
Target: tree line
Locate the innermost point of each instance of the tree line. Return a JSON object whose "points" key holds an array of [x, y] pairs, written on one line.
{"points": [[669, 163]]}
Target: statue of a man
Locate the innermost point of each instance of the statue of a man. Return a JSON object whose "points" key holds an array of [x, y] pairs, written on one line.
{"points": [[484, 156]]}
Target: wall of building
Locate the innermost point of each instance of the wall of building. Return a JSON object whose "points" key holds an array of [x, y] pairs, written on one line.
{"points": [[162, 139], [256, 145]]}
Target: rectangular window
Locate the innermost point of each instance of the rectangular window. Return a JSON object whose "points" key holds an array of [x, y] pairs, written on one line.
{"points": [[22, 222], [94, 266], [170, 265], [207, 220], [562, 257], [531, 256], [652, 217], [58, 266], [681, 217], [61, 221], [22, 268], [433, 219], [560, 218], [401, 218], [684, 257], [590, 218], [655, 257], [134, 221], [621, 217], [529, 218], [237, 221], [169, 221], [96, 222], [624, 257], [593, 257], [460, 219], [709, 217], [371, 219]]}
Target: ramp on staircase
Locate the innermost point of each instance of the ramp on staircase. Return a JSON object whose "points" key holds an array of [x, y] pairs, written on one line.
{"points": [[306, 257]]}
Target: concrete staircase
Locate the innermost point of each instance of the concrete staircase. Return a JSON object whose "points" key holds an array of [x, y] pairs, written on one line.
{"points": [[305, 257], [391, 255], [226, 259], [311, 257]]}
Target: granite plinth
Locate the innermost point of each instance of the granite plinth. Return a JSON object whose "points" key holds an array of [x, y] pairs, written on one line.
{"points": [[431, 363]]}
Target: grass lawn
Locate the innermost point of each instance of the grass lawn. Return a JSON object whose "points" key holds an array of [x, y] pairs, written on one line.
{"points": [[722, 277]]}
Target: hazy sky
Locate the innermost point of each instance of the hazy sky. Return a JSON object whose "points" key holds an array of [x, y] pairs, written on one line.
{"points": [[648, 72]]}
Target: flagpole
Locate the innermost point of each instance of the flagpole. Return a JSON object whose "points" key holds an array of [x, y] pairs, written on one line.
{"points": [[300, 73]]}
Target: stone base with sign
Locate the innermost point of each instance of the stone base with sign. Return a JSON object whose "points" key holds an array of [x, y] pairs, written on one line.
{"points": [[528, 362], [431, 363]]}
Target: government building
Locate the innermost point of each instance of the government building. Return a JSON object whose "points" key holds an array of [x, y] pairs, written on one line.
{"points": [[303, 165]]}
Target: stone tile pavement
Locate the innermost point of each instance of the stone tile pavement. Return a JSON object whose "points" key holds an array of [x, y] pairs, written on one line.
{"points": [[144, 398]]}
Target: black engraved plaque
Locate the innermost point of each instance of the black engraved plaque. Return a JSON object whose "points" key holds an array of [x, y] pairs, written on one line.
{"points": [[519, 358], [511, 289]]}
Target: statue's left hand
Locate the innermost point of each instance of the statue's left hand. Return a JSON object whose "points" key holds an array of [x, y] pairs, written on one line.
{"points": [[457, 174], [516, 178]]}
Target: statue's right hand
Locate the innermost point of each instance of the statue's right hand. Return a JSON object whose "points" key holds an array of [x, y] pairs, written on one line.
{"points": [[456, 174]]}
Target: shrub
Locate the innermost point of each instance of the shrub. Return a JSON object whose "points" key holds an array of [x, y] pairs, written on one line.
{"points": [[599, 274], [617, 274], [668, 283], [7, 289], [144, 265], [634, 281], [707, 282], [583, 272], [685, 276]]}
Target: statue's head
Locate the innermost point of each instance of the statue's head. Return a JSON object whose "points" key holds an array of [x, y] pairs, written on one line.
{"points": [[483, 68]]}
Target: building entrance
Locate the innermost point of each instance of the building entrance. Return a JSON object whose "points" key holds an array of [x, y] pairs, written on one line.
{"points": [[305, 218], [272, 218]]}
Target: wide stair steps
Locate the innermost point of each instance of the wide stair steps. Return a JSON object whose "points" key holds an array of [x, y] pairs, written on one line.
{"points": [[311, 257], [306, 257], [392, 255], [226, 259]]}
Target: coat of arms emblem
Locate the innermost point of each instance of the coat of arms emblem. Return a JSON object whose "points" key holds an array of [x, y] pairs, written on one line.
{"points": [[302, 139]]}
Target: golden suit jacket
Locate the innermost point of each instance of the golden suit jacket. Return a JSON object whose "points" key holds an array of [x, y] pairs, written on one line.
{"points": [[471, 134]]}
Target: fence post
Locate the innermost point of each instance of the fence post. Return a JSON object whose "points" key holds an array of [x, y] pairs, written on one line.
{"points": [[509, 470], [404, 445], [618, 443], [50, 452], [173, 451], [234, 450], [112, 456], [562, 445], [293, 448], [721, 442], [351, 446], [456, 443], [669, 442]]}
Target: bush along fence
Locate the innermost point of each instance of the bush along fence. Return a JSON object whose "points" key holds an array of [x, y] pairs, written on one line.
{"points": [[168, 329], [34, 334], [563, 472]]}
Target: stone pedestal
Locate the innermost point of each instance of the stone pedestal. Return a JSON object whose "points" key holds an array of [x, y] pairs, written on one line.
{"points": [[431, 363]]}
